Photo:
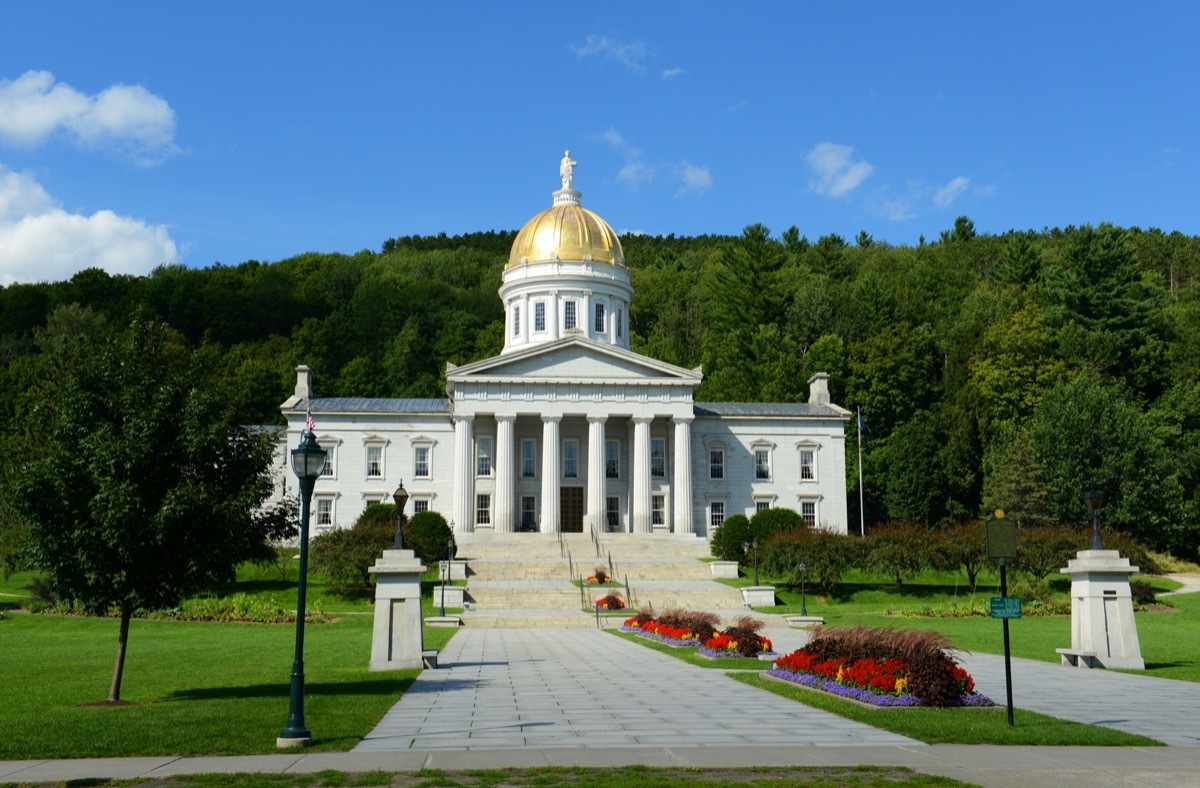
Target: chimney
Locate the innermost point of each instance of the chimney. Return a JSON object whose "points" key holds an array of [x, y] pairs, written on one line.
{"points": [[304, 382], [818, 389]]}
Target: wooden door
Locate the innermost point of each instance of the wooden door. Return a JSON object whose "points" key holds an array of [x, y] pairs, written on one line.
{"points": [[571, 510]]}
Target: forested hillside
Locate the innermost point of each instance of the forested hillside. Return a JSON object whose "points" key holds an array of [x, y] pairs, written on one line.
{"points": [[1011, 370]]}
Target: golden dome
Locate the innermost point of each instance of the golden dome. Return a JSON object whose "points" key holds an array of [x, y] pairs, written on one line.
{"points": [[566, 231]]}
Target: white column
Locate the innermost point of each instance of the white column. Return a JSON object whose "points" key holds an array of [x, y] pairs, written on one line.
{"points": [[552, 316], [682, 516], [463, 511], [595, 477], [641, 474], [526, 319], [505, 482], [550, 480], [585, 317]]}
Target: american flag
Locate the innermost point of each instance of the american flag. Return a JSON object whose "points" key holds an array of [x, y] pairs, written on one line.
{"points": [[309, 423]]}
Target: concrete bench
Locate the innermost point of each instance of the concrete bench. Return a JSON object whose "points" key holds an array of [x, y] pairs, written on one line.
{"points": [[429, 659], [1076, 658]]}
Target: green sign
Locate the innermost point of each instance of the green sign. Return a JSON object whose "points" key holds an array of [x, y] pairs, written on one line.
{"points": [[1001, 540], [1006, 607]]}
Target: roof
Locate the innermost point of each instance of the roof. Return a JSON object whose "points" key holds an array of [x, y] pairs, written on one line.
{"points": [[378, 405], [771, 410]]}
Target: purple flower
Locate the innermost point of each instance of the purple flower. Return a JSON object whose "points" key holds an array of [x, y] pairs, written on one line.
{"points": [[867, 696]]}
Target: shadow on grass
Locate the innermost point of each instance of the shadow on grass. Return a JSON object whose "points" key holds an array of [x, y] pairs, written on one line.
{"points": [[283, 688], [845, 592], [1158, 665]]}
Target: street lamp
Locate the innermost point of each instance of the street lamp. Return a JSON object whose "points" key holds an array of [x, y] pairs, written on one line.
{"points": [[308, 460], [446, 571], [803, 607], [1094, 500], [754, 544], [401, 498]]}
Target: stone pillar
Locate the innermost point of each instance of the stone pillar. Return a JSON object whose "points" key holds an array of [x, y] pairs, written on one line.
{"points": [[397, 641], [1103, 630], [585, 318], [550, 474], [505, 481], [552, 329], [463, 510], [641, 474], [595, 475], [526, 320], [682, 507]]}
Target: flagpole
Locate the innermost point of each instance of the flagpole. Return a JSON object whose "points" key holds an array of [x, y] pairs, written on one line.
{"points": [[862, 521]]}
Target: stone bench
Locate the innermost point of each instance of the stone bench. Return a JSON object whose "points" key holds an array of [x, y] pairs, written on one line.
{"points": [[1076, 658], [429, 659]]}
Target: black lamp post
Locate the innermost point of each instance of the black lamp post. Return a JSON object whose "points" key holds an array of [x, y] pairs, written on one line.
{"points": [[803, 607], [401, 498], [754, 544], [1094, 500], [307, 462]]}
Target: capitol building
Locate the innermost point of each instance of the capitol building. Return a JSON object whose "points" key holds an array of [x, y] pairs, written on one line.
{"points": [[569, 430]]}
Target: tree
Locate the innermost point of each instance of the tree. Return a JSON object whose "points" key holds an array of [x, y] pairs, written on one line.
{"points": [[138, 486]]}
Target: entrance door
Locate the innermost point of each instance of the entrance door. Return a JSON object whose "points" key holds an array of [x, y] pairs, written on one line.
{"points": [[571, 509]]}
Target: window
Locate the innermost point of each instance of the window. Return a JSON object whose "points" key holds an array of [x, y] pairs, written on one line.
{"points": [[539, 316], [328, 469], [658, 458], [716, 464], [374, 462], [483, 510], [421, 462], [716, 514], [619, 322], [612, 513], [528, 458], [612, 460], [571, 459], [807, 471], [483, 456], [568, 315], [599, 326], [324, 512], [760, 505], [808, 510], [762, 464], [516, 328], [658, 515], [420, 505], [528, 513]]}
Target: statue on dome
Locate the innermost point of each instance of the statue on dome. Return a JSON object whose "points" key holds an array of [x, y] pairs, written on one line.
{"points": [[566, 169]]}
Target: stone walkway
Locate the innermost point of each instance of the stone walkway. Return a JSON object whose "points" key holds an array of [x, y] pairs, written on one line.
{"points": [[546, 688]]}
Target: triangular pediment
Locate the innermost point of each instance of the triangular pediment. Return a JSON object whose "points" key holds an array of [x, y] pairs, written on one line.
{"points": [[574, 360]]}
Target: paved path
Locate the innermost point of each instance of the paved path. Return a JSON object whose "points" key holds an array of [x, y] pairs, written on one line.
{"points": [[546, 688]]}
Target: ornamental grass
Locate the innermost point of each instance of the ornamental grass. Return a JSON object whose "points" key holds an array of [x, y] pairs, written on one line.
{"points": [[612, 601]]}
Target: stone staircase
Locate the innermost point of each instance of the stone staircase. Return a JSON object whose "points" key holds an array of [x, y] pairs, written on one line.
{"points": [[525, 579]]}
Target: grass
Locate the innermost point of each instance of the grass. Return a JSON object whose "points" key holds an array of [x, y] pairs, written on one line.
{"points": [[573, 776], [957, 726]]}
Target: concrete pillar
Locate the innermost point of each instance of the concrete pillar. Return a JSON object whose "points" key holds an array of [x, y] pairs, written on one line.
{"points": [[397, 641], [1103, 630], [682, 508], [505, 480], [550, 474], [463, 510], [595, 474], [641, 474]]}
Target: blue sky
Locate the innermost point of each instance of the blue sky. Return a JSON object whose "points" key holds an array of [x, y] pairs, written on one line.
{"points": [[137, 133]]}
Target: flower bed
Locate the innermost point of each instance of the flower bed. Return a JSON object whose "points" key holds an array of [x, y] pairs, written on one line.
{"points": [[664, 633], [878, 681], [611, 602], [721, 646]]}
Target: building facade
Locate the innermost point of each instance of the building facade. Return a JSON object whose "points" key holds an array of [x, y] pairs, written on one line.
{"points": [[568, 429]]}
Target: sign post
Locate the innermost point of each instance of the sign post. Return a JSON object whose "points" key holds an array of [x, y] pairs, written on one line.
{"points": [[1001, 535]]}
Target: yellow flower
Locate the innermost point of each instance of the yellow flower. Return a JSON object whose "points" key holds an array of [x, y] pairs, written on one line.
{"points": [[839, 675], [901, 684]]}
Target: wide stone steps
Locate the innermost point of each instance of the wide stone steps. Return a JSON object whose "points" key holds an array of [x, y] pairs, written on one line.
{"points": [[559, 569]]}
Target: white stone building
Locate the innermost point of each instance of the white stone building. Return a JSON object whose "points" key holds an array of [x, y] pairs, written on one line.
{"points": [[568, 429]]}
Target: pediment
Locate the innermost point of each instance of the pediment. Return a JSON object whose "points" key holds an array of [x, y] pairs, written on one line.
{"points": [[574, 360]]}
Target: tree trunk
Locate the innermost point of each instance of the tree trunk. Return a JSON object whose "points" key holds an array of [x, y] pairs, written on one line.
{"points": [[114, 692]]}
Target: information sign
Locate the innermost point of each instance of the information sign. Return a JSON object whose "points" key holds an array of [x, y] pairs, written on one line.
{"points": [[1001, 540], [1006, 607]]}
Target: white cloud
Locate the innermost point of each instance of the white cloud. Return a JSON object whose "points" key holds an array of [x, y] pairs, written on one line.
{"points": [[39, 241], [124, 118], [836, 174], [614, 138], [741, 105], [946, 195], [635, 174], [671, 73], [696, 180], [629, 54]]}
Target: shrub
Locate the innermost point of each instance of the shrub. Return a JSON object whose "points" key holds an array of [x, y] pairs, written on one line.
{"points": [[745, 631], [826, 556], [898, 551], [767, 522], [429, 536], [1138, 554], [734, 534], [343, 556], [1143, 593], [961, 546], [1041, 551]]}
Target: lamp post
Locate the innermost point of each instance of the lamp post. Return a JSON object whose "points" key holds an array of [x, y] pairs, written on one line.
{"points": [[754, 544], [401, 498], [307, 462], [803, 607], [1094, 500]]}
